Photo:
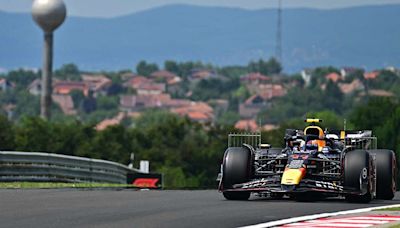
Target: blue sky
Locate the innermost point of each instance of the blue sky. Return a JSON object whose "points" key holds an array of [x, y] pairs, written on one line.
{"points": [[112, 8]]}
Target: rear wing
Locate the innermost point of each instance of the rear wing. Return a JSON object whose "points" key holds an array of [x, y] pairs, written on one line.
{"points": [[362, 139], [238, 139]]}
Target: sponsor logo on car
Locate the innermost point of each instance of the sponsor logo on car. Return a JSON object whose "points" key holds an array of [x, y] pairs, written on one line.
{"points": [[328, 185]]}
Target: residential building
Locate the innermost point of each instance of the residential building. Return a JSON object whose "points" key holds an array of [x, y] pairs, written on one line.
{"points": [[6, 85], [252, 106], [137, 81], [163, 76], [110, 122], [197, 111], [202, 74], [135, 103], [371, 75], [98, 84], [151, 89], [66, 87], [247, 125], [65, 102], [255, 79], [348, 88], [306, 75], [334, 77], [35, 88]]}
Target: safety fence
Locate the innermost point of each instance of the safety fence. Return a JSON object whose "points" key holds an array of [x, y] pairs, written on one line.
{"points": [[46, 167]]}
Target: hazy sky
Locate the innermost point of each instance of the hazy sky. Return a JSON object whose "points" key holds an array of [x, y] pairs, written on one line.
{"points": [[111, 8]]}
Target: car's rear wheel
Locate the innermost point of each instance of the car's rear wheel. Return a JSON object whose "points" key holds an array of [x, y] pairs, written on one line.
{"points": [[236, 169], [356, 172], [385, 173]]}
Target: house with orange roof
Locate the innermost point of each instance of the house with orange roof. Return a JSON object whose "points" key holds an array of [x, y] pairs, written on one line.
{"points": [[255, 78], [247, 125], [196, 111], [348, 88], [110, 122], [98, 84], [334, 77], [163, 76], [137, 81], [171, 80], [202, 74], [270, 127], [371, 75], [262, 99], [135, 103], [65, 102], [151, 89], [269, 90], [66, 87], [252, 106]]}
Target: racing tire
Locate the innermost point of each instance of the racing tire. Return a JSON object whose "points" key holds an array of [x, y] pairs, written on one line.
{"points": [[236, 169], [385, 173], [354, 165]]}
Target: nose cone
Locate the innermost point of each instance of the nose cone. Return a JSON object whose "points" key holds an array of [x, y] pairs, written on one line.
{"points": [[49, 14]]}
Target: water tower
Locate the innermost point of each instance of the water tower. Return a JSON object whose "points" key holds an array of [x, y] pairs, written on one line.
{"points": [[49, 15]]}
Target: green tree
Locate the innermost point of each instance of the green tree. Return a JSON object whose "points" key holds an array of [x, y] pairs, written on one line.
{"points": [[77, 97], [333, 97], [68, 72], [270, 67], [107, 102], [7, 134], [22, 78], [146, 69], [34, 134], [171, 66], [228, 118]]}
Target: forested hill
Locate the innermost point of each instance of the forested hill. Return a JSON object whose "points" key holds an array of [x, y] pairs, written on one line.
{"points": [[362, 36]]}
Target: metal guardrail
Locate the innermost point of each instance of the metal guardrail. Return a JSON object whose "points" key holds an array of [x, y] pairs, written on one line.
{"points": [[47, 167]]}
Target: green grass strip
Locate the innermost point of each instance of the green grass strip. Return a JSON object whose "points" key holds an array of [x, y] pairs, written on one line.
{"points": [[43, 185], [390, 209]]}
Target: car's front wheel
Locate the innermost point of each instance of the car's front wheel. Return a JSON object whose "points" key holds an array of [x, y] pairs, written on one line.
{"points": [[236, 169]]}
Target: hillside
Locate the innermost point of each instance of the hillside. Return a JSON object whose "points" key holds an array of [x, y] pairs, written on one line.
{"points": [[362, 36]]}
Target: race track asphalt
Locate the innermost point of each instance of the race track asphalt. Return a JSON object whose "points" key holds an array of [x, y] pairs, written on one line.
{"points": [[130, 208]]}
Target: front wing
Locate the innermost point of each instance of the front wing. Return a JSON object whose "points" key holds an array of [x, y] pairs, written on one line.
{"points": [[265, 185]]}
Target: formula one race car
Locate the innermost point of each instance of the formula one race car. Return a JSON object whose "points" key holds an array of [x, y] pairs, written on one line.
{"points": [[314, 163]]}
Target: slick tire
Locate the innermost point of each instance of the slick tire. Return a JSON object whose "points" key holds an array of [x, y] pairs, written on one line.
{"points": [[385, 173], [354, 164], [236, 169]]}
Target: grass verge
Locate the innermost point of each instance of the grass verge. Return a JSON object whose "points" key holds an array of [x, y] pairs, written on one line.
{"points": [[44, 185], [390, 209]]}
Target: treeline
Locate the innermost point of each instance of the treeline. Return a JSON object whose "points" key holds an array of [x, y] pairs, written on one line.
{"points": [[189, 154]]}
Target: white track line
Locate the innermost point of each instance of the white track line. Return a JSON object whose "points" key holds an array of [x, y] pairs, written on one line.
{"points": [[317, 216]]}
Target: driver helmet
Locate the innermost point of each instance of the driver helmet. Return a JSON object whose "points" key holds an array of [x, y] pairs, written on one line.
{"points": [[312, 145]]}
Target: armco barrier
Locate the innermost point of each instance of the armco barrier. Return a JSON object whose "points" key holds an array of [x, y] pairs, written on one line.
{"points": [[28, 166]]}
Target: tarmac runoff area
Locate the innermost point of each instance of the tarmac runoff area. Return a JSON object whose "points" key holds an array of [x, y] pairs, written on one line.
{"points": [[358, 218]]}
